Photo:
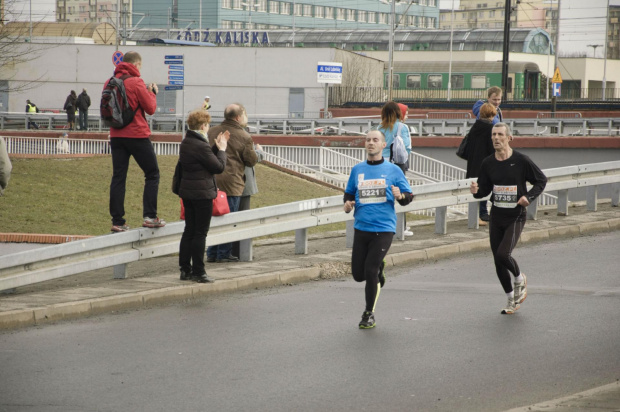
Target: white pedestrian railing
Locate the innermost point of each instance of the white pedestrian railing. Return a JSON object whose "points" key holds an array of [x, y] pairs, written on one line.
{"points": [[117, 250]]}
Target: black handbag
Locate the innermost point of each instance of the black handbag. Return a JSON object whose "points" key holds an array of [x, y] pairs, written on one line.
{"points": [[462, 150]]}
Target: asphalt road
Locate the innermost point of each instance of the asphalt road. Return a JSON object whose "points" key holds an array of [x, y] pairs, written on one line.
{"points": [[440, 344]]}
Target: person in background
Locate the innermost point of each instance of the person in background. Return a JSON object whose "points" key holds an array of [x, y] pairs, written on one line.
{"points": [[31, 109], [505, 175], [391, 125], [250, 189], [404, 111], [5, 166], [134, 140], [200, 162], [206, 105], [83, 103], [70, 107], [494, 95], [480, 146], [240, 153], [372, 189]]}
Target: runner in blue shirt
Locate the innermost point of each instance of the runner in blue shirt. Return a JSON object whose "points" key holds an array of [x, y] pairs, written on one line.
{"points": [[372, 188]]}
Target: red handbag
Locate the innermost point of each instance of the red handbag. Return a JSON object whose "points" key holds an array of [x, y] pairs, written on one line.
{"points": [[220, 204]]}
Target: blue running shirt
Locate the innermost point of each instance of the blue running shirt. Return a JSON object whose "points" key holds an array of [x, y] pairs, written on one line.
{"points": [[374, 202]]}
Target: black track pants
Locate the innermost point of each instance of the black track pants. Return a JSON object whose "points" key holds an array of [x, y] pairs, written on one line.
{"points": [[369, 249], [504, 233]]}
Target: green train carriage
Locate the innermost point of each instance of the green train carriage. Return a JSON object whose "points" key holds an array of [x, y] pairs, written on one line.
{"points": [[470, 79]]}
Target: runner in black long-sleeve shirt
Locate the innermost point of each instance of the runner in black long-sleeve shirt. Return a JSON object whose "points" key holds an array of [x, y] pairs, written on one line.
{"points": [[505, 174]]}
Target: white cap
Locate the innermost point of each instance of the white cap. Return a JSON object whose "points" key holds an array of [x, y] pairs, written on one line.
{"points": [[207, 97]]}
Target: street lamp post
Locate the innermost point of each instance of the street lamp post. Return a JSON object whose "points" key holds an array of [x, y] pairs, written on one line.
{"points": [[391, 49], [606, 41], [251, 7], [450, 66]]}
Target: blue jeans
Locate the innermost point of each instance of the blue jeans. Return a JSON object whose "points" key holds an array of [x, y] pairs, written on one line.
{"points": [[483, 209], [83, 119], [225, 250]]}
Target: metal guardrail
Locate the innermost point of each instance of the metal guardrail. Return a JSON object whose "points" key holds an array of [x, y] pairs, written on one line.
{"points": [[117, 250]]}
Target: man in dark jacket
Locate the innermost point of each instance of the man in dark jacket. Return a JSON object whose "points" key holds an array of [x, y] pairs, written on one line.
{"points": [[240, 153], [83, 103], [133, 140]]}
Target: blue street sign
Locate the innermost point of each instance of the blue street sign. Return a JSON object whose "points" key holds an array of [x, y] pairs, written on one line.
{"points": [[176, 78], [175, 72], [174, 57], [173, 61], [557, 89], [176, 67], [173, 87], [180, 83]]}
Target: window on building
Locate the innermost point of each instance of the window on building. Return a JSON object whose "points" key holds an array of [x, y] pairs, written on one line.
{"points": [[414, 81], [431, 22], [340, 14], [395, 81], [383, 18], [432, 3], [285, 7], [362, 15], [226, 4], [350, 14], [480, 14], [492, 13], [478, 81], [226, 24], [238, 25], [329, 12], [308, 10], [262, 6], [434, 81], [274, 7], [297, 10], [423, 3], [319, 11], [236, 4], [372, 17]]}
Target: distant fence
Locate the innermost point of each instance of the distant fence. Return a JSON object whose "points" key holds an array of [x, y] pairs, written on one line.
{"points": [[340, 95]]}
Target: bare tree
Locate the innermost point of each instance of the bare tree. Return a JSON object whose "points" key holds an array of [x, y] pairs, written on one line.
{"points": [[16, 47]]}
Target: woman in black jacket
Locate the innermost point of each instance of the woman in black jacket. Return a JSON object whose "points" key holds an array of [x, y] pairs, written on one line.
{"points": [[479, 146], [199, 163], [71, 106]]}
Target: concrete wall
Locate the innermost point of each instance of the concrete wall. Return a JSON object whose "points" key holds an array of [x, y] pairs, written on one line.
{"points": [[260, 78]]}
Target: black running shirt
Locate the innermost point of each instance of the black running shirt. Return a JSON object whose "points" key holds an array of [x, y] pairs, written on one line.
{"points": [[507, 179]]}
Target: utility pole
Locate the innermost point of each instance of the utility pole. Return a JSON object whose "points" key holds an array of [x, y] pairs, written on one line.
{"points": [[450, 67], [391, 49], [606, 41], [506, 47], [557, 42]]}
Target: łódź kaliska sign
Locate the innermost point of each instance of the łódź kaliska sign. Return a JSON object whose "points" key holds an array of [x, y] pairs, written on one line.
{"points": [[225, 37]]}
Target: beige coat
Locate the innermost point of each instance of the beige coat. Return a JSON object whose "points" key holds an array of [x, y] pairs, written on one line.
{"points": [[240, 153]]}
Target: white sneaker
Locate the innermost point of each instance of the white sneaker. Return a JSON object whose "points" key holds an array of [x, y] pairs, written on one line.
{"points": [[408, 228], [408, 233], [520, 290], [511, 307]]}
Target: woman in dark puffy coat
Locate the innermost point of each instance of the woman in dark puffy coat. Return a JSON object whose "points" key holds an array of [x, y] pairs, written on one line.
{"points": [[479, 146], [71, 106], [199, 162]]}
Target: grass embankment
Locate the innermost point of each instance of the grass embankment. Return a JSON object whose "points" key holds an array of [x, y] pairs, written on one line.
{"points": [[71, 196]]}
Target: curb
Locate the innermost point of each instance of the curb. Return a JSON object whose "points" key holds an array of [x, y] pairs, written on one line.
{"points": [[74, 310]]}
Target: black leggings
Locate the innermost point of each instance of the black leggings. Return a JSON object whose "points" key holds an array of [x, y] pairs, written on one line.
{"points": [[369, 249], [504, 233]]}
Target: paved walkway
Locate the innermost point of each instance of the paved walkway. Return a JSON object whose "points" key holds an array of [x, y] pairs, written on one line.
{"points": [[156, 281]]}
